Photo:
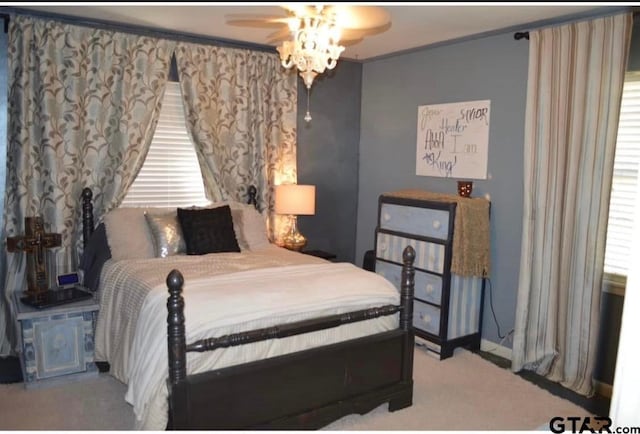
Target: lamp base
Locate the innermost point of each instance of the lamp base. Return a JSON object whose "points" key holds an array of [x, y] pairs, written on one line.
{"points": [[294, 240], [296, 245]]}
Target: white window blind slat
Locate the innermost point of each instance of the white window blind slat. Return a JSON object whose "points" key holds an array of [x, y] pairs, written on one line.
{"points": [[622, 208], [170, 175]]}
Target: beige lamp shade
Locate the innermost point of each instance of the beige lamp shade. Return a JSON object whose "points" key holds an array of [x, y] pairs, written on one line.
{"points": [[295, 199]]}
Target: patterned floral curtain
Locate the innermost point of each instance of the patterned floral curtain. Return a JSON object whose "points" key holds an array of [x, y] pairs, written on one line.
{"points": [[83, 106], [241, 113]]}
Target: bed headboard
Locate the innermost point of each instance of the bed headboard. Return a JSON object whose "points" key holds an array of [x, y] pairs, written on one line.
{"points": [[87, 210]]}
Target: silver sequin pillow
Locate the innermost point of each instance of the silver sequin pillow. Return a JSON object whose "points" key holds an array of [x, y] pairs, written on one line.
{"points": [[166, 234]]}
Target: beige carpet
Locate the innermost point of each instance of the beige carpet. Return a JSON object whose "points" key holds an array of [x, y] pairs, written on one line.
{"points": [[464, 392]]}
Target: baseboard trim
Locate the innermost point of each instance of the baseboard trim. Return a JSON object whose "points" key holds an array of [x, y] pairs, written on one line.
{"points": [[497, 349], [604, 389]]}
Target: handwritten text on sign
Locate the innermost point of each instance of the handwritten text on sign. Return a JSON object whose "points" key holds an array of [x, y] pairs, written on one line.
{"points": [[453, 140]]}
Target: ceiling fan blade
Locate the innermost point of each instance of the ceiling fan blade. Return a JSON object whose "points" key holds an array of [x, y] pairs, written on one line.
{"points": [[360, 17], [251, 20], [299, 10], [349, 42], [369, 31], [279, 35], [347, 34]]}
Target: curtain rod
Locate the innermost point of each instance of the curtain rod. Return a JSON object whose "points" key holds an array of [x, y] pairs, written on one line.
{"points": [[520, 35], [133, 29], [635, 10]]}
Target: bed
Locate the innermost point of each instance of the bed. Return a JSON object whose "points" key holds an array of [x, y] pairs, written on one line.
{"points": [[251, 339]]}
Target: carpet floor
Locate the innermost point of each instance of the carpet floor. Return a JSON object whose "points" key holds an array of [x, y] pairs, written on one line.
{"points": [[464, 392]]}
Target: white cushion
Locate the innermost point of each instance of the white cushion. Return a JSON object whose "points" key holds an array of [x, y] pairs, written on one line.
{"points": [[249, 225], [128, 233], [254, 229]]}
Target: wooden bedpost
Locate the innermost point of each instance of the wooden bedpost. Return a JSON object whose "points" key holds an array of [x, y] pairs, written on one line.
{"points": [[407, 288], [176, 338], [406, 314], [87, 215], [253, 191], [405, 398]]}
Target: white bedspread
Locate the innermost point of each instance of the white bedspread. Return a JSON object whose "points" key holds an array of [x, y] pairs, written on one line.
{"points": [[225, 293]]}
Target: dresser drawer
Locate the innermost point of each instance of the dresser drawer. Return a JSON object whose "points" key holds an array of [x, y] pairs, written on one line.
{"points": [[426, 317], [427, 286], [414, 220], [429, 256]]}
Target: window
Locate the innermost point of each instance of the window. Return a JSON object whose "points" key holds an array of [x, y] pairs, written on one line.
{"points": [[170, 175], [622, 209]]}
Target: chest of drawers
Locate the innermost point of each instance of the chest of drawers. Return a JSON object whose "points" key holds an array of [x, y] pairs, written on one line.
{"points": [[447, 306]]}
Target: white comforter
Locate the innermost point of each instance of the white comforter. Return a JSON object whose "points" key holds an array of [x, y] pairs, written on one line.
{"points": [[259, 296]]}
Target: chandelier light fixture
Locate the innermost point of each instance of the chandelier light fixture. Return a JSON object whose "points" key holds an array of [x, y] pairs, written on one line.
{"points": [[315, 46], [311, 38]]}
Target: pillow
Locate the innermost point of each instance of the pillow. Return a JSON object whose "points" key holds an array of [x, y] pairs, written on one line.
{"points": [[95, 254], [128, 233], [236, 216], [208, 230], [253, 228], [166, 234], [249, 225]]}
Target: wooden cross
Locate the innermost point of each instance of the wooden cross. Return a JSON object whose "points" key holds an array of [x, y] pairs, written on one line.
{"points": [[33, 243]]}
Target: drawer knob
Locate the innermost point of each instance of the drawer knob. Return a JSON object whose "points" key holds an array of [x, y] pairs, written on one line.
{"points": [[429, 288], [436, 224], [383, 247], [426, 318], [386, 217]]}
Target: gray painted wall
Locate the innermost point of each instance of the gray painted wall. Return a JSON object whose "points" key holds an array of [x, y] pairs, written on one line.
{"points": [[493, 68], [328, 158]]}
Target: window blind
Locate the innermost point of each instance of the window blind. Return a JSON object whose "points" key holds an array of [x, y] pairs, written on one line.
{"points": [[622, 208], [170, 175]]}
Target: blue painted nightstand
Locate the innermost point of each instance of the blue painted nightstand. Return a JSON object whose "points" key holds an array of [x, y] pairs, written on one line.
{"points": [[56, 344]]}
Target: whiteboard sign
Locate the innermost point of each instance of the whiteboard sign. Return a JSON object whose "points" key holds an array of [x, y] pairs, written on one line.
{"points": [[453, 140]]}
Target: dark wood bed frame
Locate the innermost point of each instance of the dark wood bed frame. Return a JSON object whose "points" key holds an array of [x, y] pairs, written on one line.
{"points": [[303, 390]]}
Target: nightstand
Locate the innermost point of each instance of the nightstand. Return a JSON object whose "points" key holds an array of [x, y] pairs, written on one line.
{"points": [[321, 254], [56, 344]]}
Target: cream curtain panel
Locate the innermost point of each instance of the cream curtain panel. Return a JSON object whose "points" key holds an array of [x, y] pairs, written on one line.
{"points": [[576, 75], [83, 106], [241, 110]]}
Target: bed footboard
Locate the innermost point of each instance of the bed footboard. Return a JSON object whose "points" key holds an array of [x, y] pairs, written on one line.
{"points": [[302, 390]]}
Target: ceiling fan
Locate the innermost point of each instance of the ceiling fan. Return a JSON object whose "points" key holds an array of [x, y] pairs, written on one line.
{"points": [[312, 37], [354, 21]]}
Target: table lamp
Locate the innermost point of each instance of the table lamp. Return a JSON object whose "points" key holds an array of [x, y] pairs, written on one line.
{"points": [[295, 200]]}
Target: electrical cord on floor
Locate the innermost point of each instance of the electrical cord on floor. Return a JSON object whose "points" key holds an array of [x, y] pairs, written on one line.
{"points": [[493, 311]]}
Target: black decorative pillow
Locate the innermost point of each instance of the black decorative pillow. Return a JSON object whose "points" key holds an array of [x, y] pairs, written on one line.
{"points": [[208, 230]]}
